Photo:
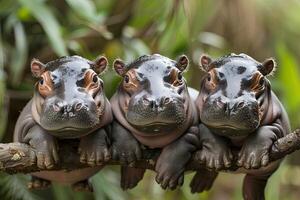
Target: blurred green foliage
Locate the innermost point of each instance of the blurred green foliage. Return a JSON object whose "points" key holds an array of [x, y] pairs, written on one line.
{"points": [[127, 29]]}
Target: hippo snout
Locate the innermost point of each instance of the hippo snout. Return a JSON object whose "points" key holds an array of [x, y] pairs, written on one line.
{"points": [[64, 107], [238, 113], [148, 110], [231, 106], [59, 116], [155, 103]]}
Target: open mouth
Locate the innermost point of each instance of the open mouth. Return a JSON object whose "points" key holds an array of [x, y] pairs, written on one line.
{"points": [[157, 124], [227, 126], [156, 127], [68, 129]]}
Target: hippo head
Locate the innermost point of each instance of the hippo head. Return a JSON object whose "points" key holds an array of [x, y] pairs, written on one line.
{"points": [[69, 100], [232, 93], [154, 92]]}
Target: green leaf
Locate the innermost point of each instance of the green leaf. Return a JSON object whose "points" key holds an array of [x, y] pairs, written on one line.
{"points": [[7, 6], [289, 80], [85, 9], [14, 187], [19, 54], [105, 185], [3, 108], [43, 14]]}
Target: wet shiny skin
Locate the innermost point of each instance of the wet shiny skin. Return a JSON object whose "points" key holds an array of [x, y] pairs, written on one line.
{"points": [[232, 106], [69, 91]]}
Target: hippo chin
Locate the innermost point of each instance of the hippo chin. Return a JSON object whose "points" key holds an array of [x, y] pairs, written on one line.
{"points": [[153, 109], [68, 103], [238, 112]]}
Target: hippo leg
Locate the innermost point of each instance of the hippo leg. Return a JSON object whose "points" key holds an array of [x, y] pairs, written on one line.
{"points": [[255, 150], [131, 176], [203, 180], [45, 145], [93, 148], [215, 152], [38, 183], [171, 163], [125, 147], [254, 187], [83, 186]]}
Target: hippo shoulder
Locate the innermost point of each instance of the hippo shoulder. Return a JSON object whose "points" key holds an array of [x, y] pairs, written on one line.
{"points": [[24, 123], [279, 112]]}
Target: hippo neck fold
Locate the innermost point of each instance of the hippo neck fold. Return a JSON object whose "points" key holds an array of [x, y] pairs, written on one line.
{"points": [[152, 141]]}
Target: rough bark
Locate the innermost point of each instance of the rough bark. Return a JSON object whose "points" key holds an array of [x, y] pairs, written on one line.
{"points": [[17, 157]]}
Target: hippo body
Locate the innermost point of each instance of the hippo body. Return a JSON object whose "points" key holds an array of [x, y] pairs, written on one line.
{"points": [[238, 112], [68, 105], [153, 109]]}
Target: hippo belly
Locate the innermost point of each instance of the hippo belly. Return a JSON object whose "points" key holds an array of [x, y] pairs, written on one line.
{"points": [[68, 177]]}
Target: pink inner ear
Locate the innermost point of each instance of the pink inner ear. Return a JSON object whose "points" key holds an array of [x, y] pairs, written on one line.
{"points": [[119, 67], [204, 60], [102, 62], [183, 61], [36, 69]]}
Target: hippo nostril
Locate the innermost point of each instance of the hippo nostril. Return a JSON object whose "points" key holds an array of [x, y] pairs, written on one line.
{"points": [[56, 108], [78, 106], [166, 100], [220, 104], [240, 104], [146, 102]]}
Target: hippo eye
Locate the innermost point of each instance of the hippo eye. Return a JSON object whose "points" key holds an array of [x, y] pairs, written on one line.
{"points": [[126, 79], [42, 81], [208, 77], [179, 76], [95, 78], [262, 81]]}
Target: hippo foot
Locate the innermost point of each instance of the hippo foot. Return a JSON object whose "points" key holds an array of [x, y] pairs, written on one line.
{"points": [[92, 151], [168, 180], [127, 153], [253, 157], [94, 156], [38, 184], [203, 181], [169, 174], [215, 158], [45, 146], [83, 186], [130, 177]]}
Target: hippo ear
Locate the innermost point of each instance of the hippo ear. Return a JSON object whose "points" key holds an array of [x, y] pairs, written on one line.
{"points": [[37, 68], [267, 67], [100, 64], [119, 67], [205, 62], [182, 62]]}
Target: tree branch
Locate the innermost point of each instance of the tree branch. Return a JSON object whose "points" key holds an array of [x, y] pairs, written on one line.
{"points": [[18, 157]]}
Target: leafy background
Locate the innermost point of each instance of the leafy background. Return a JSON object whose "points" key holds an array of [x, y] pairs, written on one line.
{"points": [[127, 29]]}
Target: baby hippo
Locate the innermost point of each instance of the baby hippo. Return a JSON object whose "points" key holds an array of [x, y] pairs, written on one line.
{"points": [[238, 112], [68, 104], [153, 109]]}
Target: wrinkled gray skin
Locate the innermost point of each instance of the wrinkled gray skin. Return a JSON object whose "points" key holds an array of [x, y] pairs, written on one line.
{"points": [[240, 114], [67, 111], [152, 111]]}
